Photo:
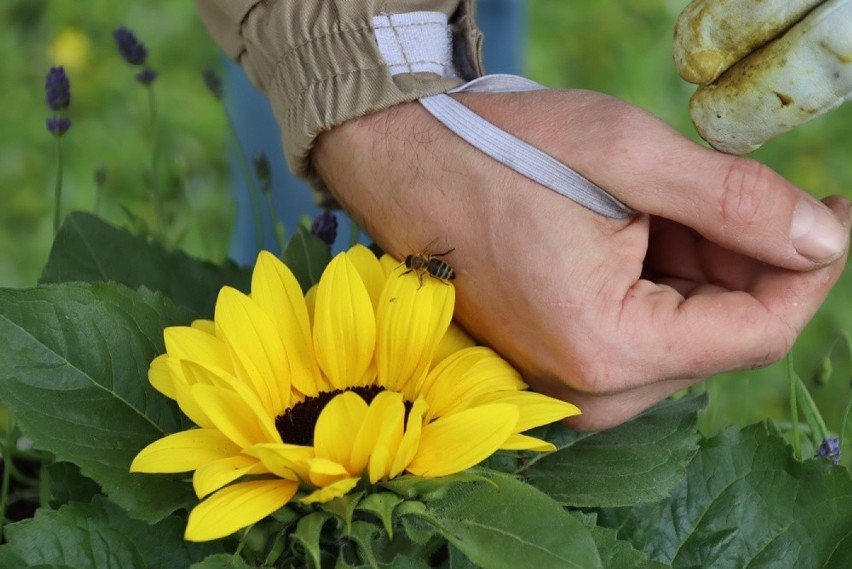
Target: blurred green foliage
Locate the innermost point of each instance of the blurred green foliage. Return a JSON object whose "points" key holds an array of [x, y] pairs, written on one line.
{"points": [[619, 47], [111, 125]]}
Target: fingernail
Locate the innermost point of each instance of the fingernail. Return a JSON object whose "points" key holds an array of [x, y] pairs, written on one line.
{"points": [[816, 233]]}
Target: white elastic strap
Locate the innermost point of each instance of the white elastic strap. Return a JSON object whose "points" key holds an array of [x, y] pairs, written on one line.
{"points": [[513, 152]]}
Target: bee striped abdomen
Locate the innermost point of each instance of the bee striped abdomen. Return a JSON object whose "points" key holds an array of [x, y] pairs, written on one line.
{"points": [[440, 270]]}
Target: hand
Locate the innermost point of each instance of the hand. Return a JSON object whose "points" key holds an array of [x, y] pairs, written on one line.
{"points": [[761, 76], [722, 272]]}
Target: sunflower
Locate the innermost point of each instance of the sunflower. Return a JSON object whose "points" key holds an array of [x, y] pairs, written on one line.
{"points": [[359, 381]]}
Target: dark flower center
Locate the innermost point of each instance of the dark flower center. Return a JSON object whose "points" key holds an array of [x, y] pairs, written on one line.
{"points": [[296, 424]]}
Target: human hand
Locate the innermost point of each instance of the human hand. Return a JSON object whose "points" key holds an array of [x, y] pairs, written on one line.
{"points": [[722, 272], [765, 66]]}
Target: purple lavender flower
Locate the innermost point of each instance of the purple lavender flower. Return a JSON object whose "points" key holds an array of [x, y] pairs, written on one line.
{"points": [[325, 227], [213, 82], [58, 125], [57, 89], [134, 52], [830, 448], [131, 49]]}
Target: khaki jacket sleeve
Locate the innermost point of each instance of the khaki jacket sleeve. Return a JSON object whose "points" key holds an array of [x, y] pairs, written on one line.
{"points": [[319, 63]]}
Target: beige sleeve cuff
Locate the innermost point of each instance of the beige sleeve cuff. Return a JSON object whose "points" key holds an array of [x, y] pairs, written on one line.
{"points": [[319, 63]]}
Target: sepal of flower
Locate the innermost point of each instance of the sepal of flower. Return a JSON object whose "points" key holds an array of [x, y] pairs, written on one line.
{"points": [[306, 397]]}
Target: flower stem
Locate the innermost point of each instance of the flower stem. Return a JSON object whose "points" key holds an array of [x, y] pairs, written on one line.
{"points": [[156, 198], [253, 190], [57, 192]]}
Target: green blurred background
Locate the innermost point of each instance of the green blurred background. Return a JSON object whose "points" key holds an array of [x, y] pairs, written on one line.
{"points": [[619, 47]]}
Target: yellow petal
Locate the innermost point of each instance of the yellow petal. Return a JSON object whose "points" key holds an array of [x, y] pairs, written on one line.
{"points": [[279, 295], [255, 347], [379, 416], [236, 507], [524, 442], [454, 340], [535, 409], [324, 472], [370, 269], [184, 451], [198, 375], [410, 439], [186, 400], [338, 426], [330, 492], [236, 418], [161, 375], [204, 325], [411, 321], [389, 264], [344, 325], [286, 461], [197, 344], [214, 475], [455, 443], [389, 436], [458, 381]]}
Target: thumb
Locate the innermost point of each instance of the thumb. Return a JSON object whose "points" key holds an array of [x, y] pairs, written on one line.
{"points": [[746, 207]]}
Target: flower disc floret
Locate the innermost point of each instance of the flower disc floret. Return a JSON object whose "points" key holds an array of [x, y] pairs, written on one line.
{"points": [[305, 397]]}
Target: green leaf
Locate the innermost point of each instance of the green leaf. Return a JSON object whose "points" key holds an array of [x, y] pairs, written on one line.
{"points": [[746, 502], [222, 561], [343, 507], [101, 534], [74, 373], [381, 505], [615, 552], [308, 533], [68, 485], [512, 525], [639, 461], [416, 487], [307, 256], [87, 249]]}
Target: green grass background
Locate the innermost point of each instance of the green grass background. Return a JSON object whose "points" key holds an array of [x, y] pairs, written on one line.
{"points": [[619, 47]]}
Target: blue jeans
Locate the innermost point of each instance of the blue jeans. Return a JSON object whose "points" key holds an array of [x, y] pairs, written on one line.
{"points": [[502, 21]]}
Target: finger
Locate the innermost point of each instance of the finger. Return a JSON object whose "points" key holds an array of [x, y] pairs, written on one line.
{"points": [[735, 202], [714, 330]]}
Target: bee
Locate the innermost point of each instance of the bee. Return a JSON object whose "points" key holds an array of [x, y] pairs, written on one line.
{"points": [[431, 264]]}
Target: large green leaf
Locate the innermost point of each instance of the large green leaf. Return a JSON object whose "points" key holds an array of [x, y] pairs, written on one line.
{"points": [[511, 524], [73, 370], [639, 461], [87, 249], [99, 534], [745, 502]]}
